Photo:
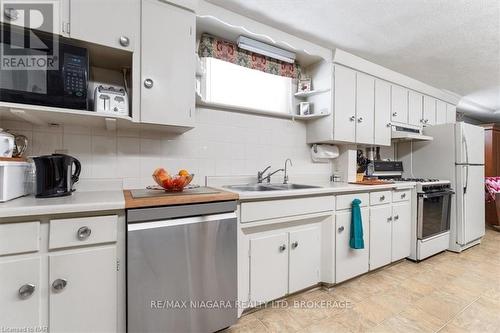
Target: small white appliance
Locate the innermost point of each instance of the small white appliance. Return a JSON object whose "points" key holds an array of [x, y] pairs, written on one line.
{"points": [[111, 100], [13, 180], [457, 154]]}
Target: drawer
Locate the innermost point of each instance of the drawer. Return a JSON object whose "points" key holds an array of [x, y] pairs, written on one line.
{"points": [[19, 237], [344, 201], [380, 197], [401, 195], [82, 231], [269, 209]]}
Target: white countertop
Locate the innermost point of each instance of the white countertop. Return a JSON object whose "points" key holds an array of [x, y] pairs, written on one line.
{"points": [[325, 189], [79, 201]]}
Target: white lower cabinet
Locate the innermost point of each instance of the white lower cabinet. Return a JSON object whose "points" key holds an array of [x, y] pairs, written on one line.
{"points": [[380, 236], [82, 294], [401, 230], [305, 256], [20, 290], [268, 267], [350, 262]]}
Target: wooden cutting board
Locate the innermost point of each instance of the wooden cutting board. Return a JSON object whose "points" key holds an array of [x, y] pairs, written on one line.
{"points": [[373, 182], [13, 159]]}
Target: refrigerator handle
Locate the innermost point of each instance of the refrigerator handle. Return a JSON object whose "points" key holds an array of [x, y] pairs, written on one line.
{"points": [[466, 178], [464, 139]]}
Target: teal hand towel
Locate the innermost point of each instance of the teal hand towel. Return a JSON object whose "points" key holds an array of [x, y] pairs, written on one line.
{"points": [[356, 236]]}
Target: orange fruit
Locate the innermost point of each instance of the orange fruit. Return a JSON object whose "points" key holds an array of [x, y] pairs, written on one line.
{"points": [[184, 173]]}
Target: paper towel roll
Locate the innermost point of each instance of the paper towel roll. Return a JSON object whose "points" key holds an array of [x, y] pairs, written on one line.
{"points": [[324, 153]]}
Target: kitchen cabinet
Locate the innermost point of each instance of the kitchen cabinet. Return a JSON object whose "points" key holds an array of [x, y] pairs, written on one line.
{"points": [[350, 262], [440, 112], [401, 230], [380, 235], [268, 267], [20, 292], [451, 114], [305, 253], [83, 286], [382, 128], [167, 64], [365, 108], [399, 104], [415, 108], [114, 23], [344, 100], [429, 112]]}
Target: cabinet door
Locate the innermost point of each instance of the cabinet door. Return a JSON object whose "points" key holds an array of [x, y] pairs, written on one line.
{"points": [[82, 292], [399, 104], [305, 255], [20, 10], [111, 22], [451, 114], [344, 128], [429, 114], [380, 236], [382, 135], [268, 267], [168, 64], [365, 108], [440, 112], [20, 293], [415, 109], [349, 262], [401, 230]]}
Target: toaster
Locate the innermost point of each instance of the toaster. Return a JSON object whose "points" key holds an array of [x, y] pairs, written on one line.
{"points": [[111, 100]]}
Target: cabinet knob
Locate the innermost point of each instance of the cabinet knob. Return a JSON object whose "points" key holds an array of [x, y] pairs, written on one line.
{"points": [[295, 245], [422, 121], [396, 217], [124, 41], [83, 233], [59, 284], [352, 118], [10, 14], [388, 125], [148, 83], [360, 119], [282, 248], [394, 114], [341, 228], [26, 290], [389, 219], [382, 198], [426, 121], [403, 195]]}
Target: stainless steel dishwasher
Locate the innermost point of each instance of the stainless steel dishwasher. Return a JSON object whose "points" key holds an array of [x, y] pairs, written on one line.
{"points": [[182, 268]]}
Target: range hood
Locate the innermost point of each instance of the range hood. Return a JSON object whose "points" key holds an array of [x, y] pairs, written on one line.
{"points": [[408, 133]]}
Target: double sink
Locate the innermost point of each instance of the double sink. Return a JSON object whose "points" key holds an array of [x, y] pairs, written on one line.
{"points": [[269, 187]]}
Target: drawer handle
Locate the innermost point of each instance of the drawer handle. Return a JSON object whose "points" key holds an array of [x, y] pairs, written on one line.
{"points": [[83, 233], [396, 217], [295, 245], [282, 248], [26, 291], [59, 284], [403, 195], [341, 228], [382, 198]]}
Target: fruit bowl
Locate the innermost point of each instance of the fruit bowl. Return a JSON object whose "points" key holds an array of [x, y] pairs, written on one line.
{"points": [[172, 183]]}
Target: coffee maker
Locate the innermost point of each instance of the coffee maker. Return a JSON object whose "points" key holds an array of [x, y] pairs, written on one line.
{"points": [[55, 175]]}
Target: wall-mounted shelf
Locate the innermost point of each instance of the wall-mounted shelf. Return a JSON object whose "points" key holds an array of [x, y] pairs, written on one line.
{"points": [[311, 116], [305, 94]]}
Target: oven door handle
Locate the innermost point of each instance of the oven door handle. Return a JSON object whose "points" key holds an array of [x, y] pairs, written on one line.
{"points": [[437, 194]]}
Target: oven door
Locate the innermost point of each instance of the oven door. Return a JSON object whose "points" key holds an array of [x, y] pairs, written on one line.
{"points": [[433, 213]]}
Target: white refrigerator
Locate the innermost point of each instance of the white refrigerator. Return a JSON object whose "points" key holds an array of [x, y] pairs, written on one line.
{"points": [[455, 154]]}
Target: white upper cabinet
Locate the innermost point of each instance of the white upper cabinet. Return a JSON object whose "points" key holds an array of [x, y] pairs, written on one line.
{"points": [[382, 128], [429, 113], [399, 104], [365, 108], [451, 113], [344, 105], [113, 23], [415, 108], [440, 112], [168, 64]]}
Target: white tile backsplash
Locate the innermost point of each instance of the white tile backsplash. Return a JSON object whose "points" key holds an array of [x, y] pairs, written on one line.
{"points": [[221, 144]]}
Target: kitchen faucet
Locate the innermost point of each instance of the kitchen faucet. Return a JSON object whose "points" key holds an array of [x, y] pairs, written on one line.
{"points": [[260, 175], [285, 177]]}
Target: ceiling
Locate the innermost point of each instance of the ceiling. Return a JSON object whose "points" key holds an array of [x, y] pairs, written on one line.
{"points": [[450, 44]]}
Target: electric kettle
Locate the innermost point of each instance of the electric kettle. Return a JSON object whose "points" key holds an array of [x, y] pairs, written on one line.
{"points": [[55, 175]]}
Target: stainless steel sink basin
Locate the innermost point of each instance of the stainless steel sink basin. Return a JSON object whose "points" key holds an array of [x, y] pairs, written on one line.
{"points": [[269, 187]]}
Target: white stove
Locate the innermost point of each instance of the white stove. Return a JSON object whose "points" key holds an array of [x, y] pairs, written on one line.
{"points": [[425, 185]]}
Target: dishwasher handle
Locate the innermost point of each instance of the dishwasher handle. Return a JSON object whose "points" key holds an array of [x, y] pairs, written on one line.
{"points": [[181, 221]]}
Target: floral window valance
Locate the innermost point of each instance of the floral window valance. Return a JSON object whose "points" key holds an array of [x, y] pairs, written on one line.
{"points": [[218, 48]]}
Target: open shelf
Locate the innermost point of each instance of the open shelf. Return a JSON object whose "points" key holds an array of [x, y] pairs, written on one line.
{"points": [[305, 94], [311, 116]]}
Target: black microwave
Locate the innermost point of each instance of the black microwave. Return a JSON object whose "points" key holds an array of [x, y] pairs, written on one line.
{"points": [[42, 69]]}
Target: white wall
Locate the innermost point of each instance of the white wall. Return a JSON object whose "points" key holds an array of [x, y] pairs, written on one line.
{"points": [[222, 143]]}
